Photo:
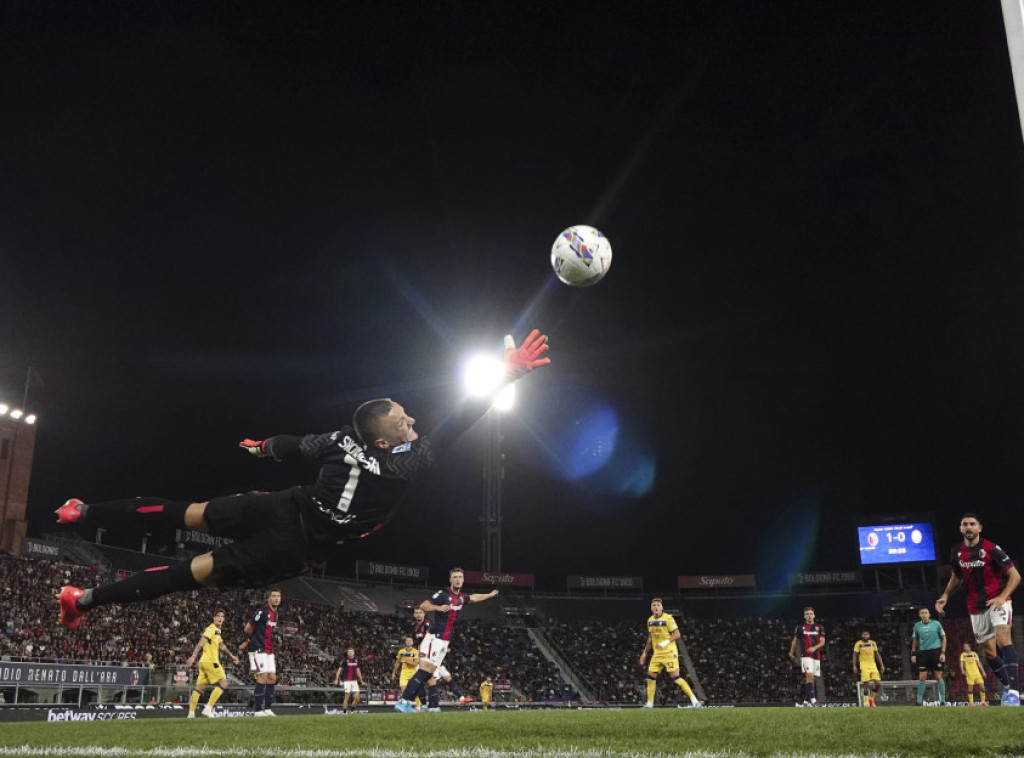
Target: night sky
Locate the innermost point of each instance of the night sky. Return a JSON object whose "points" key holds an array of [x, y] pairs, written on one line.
{"points": [[228, 220]]}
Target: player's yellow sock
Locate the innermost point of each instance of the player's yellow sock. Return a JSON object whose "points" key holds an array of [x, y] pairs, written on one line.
{"points": [[215, 696], [194, 700], [982, 693], [686, 687], [651, 686], [970, 698]]}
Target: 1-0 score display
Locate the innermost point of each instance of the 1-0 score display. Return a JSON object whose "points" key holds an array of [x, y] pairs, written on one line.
{"points": [[896, 543]]}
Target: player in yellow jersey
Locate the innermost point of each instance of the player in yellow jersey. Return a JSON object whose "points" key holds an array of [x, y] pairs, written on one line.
{"points": [[210, 670], [486, 689], [661, 641], [970, 667], [407, 662], [866, 653]]}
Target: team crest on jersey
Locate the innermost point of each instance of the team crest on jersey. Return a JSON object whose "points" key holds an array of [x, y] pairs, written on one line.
{"points": [[981, 553], [402, 448]]}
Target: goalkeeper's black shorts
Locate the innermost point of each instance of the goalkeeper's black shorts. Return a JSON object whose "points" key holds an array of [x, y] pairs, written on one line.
{"points": [[269, 545]]}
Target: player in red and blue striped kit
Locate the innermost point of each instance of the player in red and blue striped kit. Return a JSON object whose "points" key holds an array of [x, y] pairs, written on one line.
{"points": [[262, 659], [989, 576], [808, 640], [445, 605]]}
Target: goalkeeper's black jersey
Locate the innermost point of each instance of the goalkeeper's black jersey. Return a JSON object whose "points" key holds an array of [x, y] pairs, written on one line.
{"points": [[357, 488]]}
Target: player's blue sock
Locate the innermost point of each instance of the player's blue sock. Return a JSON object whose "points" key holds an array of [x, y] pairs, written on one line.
{"points": [[413, 687], [257, 695], [920, 693], [942, 690], [998, 667], [433, 697], [454, 688], [268, 696], [1009, 656], [809, 691]]}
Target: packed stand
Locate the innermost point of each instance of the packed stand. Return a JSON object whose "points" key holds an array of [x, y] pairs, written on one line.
{"points": [[311, 639], [606, 657]]}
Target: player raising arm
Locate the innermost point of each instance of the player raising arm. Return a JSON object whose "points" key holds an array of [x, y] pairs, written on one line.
{"points": [[445, 604], [365, 470]]}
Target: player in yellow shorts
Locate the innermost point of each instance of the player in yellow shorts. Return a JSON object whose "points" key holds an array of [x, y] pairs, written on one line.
{"points": [[661, 639], [407, 662], [866, 653], [970, 667], [486, 689], [210, 670]]}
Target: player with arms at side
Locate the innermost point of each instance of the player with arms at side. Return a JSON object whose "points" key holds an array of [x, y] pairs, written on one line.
{"points": [[662, 633], [365, 470], [210, 670], [352, 676], [809, 639], [445, 605], [262, 661], [990, 577], [970, 667], [486, 691], [407, 663], [928, 653], [866, 653]]}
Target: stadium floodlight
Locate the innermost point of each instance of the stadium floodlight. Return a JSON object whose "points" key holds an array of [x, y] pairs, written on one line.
{"points": [[30, 418], [16, 414], [3, 409], [482, 376]]}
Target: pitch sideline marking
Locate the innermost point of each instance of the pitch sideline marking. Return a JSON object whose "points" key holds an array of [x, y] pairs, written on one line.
{"points": [[26, 751]]}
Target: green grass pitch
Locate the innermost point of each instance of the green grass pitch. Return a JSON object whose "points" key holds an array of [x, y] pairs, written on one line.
{"points": [[708, 733]]}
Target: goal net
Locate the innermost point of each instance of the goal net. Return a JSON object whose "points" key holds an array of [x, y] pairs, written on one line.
{"points": [[900, 692]]}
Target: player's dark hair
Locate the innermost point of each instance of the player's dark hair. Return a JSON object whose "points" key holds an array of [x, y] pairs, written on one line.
{"points": [[657, 600], [220, 610], [809, 608], [272, 590], [367, 417], [974, 516], [455, 570]]}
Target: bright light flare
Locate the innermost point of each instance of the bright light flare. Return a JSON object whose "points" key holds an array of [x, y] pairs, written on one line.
{"points": [[30, 418], [3, 409], [482, 377], [16, 414]]}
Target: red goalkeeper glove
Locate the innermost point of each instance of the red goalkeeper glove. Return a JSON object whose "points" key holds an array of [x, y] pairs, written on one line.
{"points": [[256, 447], [525, 358]]}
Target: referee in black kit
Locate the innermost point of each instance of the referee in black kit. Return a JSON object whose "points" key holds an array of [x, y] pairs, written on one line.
{"points": [[365, 469]]}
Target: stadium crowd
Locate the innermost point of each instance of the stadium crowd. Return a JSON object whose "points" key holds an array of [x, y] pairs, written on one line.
{"points": [[311, 638], [740, 660]]}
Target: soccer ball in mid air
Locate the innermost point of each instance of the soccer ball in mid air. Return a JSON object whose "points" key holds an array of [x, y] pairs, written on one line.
{"points": [[581, 256]]}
